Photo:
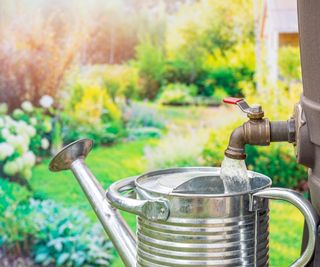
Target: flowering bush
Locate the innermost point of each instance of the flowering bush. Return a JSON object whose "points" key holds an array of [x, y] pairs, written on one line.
{"points": [[15, 157], [178, 93], [90, 112], [23, 136], [40, 118]]}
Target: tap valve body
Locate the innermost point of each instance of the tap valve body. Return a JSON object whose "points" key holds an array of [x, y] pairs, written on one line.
{"points": [[257, 130]]}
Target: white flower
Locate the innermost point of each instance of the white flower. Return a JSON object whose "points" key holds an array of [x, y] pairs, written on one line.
{"points": [[26, 173], [19, 142], [44, 143], [3, 108], [46, 101], [20, 163], [21, 127], [10, 168], [33, 121], [30, 131], [27, 106], [5, 133], [6, 150], [29, 159], [17, 113]]}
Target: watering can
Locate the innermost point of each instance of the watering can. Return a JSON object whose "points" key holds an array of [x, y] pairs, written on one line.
{"points": [[184, 215]]}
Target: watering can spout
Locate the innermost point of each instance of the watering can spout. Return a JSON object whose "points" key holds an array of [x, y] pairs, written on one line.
{"points": [[72, 157]]}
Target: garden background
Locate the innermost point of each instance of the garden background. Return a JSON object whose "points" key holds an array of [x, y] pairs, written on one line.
{"points": [[143, 79]]}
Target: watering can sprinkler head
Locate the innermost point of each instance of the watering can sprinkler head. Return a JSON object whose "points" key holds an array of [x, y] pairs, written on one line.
{"points": [[257, 130], [72, 152]]}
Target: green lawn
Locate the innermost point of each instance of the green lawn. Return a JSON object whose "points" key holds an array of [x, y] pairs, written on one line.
{"points": [[126, 159]]}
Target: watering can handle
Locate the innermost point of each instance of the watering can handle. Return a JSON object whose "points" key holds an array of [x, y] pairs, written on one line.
{"points": [[154, 209], [305, 208]]}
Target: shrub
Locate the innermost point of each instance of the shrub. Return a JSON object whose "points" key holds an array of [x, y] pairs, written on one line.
{"points": [[150, 62], [142, 121], [222, 30], [41, 119], [90, 112], [49, 233], [277, 161], [23, 136], [66, 237], [219, 94], [16, 158], [181, 71], [15, 225], [178, 94], [228, 69], [289, 63], [121, 81]]}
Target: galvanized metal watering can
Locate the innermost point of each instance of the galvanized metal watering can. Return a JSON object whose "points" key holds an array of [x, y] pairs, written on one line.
{"points": [[184, 217]]}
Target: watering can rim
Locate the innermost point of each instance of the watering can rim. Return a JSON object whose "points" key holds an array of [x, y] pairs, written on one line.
{"points": [[214, 171]]}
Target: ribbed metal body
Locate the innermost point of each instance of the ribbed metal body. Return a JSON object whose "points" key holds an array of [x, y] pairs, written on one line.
{"points": [[206, 231]]}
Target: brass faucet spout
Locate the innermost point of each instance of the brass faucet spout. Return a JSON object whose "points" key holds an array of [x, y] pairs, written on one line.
{"points": [[259, 132]]}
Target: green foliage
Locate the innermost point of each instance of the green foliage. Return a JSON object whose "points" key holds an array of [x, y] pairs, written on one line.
{"points": [[214, 51], [142, 121], [225, 78], [142, 115], [65, 237], [143, 133], [90, 112], [277, 161], [14, 224], [121, 81], [150, 62], [182, 70], [178, 93], [50, 233], [219, 94], [289, 63], [227, 70]]}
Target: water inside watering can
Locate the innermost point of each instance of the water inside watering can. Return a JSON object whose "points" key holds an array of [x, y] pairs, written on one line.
{"points": [[234, 175]]}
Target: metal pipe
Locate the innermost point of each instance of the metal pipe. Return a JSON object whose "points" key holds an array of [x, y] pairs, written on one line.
{"points": [[258, 132], [116, 228], [279, 131], [72, 157]]}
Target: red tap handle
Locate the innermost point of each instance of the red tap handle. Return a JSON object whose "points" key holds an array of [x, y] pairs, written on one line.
{"points": [[232, 100]]}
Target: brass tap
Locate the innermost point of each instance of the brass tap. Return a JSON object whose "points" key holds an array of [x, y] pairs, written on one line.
{"points": [[257, 130]]}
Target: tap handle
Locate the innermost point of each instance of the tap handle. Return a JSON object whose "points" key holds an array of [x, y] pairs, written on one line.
{"points": [[253, 112]]}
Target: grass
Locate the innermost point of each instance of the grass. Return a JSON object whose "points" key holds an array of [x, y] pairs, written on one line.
{"points": [[122, 160]]}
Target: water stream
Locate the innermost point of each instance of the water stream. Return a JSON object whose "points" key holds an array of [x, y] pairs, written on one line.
{"points": [[234, 175]]}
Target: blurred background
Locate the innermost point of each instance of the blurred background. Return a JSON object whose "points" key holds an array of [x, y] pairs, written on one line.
{"points": [[145, 80]]}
